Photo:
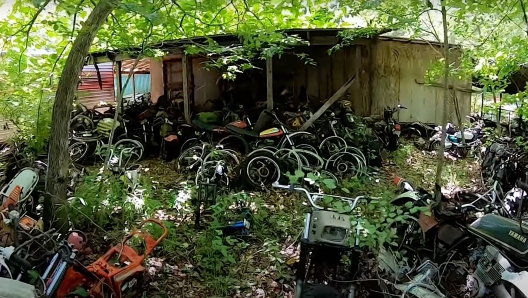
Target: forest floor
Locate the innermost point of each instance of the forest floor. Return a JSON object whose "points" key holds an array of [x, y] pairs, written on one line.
{"points": [[203, 263]]}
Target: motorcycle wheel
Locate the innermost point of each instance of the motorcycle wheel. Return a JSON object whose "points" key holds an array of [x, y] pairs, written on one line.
{"points": [[260, 170], [434, 145], [319, 291]]}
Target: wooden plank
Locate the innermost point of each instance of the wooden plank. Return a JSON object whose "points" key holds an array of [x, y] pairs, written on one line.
{"points": [[186, 99], [323, 40], [269, 83], [329, 103]]}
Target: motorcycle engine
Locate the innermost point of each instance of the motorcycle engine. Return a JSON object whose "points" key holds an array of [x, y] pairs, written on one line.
{"points": [[488, 270]]}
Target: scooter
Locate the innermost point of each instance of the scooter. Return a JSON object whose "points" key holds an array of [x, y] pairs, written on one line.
{"points": [[18, 193]]}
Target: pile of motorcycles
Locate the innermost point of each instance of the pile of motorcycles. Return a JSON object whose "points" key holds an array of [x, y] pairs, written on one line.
{"points": [[260, 143]]}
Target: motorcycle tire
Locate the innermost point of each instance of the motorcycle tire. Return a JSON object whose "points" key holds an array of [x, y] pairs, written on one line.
{"points": [[433, 146], [319, 291]]}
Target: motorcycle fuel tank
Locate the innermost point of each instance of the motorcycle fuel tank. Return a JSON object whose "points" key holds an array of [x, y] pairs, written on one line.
{"points": [[467, 135], [505, 233]]}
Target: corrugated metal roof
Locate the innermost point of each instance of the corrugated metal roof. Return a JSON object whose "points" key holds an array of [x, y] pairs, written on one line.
{"points": [[143, 66], [90, 91]]}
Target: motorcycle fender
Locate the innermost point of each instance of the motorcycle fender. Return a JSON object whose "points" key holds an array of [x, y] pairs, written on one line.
{"points": [[518, 279], [409, 196], [448, 145]]}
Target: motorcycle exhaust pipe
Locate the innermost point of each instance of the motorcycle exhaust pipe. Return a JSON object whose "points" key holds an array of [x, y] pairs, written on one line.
{"points": [[500, 291]]}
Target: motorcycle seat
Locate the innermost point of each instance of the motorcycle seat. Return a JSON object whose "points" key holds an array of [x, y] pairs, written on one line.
{"points": [[205, 126], [242, 131], [86, 136]]}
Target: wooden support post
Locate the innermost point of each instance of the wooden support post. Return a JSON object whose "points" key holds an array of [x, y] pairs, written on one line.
{"points": [[186, 99], [329, 102], [134, 86], [120, 83], [269, 83]]}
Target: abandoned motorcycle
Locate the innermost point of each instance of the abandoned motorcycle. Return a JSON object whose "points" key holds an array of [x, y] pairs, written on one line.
{"points": [[389, 130], [496, 247], [453, 142], [328, 237]]}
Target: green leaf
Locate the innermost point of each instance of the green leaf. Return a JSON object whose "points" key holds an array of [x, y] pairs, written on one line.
{"points": [[409, 204], [345, 190], [80, 292], [329, 183]]}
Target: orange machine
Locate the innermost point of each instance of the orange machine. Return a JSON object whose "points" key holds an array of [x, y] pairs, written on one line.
{"points": [[115, 274]]}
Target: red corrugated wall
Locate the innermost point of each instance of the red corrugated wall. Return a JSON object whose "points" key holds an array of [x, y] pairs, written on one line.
{"points": [[90, 93]]}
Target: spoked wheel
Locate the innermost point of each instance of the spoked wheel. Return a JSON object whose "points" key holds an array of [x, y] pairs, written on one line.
{"points": [[226, 155], [288, 161], [191, 159], [358, 154], [260, 170], [235, 143], [130, 150], [192, 142], [213, 172], [311, 160], [434, 145], [78, 151], [81, 123], [332, 145], [344, 163]]}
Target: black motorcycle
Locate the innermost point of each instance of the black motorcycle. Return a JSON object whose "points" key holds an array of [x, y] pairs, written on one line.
{"points": [[389, 130]]}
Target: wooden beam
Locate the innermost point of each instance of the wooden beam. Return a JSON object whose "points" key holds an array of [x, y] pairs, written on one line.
{"points": [[186, 100], [119, 65], [269, 83], [461, 89], [329, 102], [323, 40]]}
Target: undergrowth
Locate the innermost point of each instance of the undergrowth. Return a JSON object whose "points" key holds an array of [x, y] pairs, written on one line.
{"points": [[220, 262], [207, 262]]}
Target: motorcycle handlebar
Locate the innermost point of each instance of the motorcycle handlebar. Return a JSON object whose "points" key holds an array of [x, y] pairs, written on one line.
{"points": [[310, 196], [10, 255]]}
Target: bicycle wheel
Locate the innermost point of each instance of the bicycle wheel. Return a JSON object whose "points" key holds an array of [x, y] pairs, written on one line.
{"points": [[78, 151], [236, 143], [332, 145], [260, 170]]}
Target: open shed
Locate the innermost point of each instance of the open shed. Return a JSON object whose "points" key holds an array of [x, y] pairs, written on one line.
{"points": [[388, 71]]}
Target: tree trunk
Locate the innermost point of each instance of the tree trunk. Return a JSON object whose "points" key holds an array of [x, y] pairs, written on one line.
{"points": [[441, 150], [58, 157]]}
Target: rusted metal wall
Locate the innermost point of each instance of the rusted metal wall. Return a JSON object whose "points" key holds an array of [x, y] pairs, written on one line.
{"points": [[90, 93], [7, 130], [398, 76]]}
